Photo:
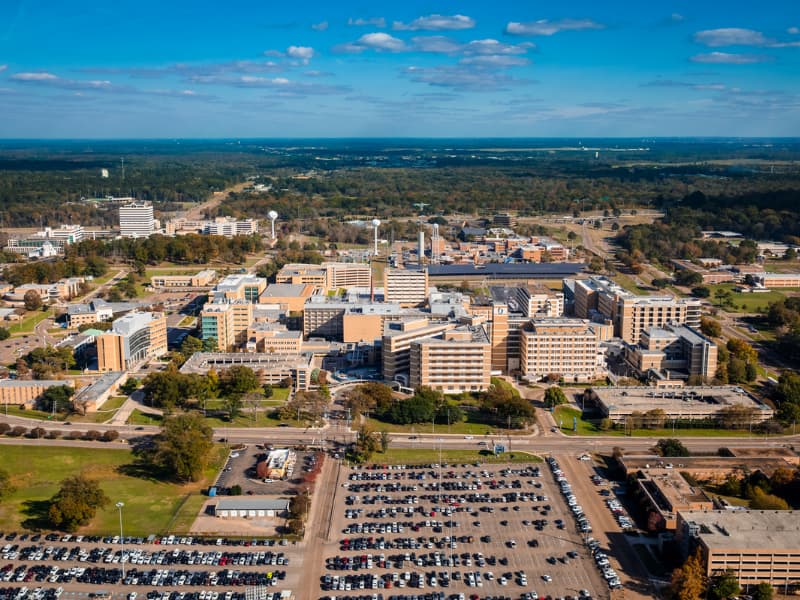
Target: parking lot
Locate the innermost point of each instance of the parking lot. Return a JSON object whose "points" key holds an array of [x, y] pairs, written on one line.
{"points": [[445, 530], [240, 469]]}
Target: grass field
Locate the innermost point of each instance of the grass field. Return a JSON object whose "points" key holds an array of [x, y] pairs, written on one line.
{"points": [[149, 504], [42, 415], [629, 284], [461, 428], [106, 412], [407, 456], [139, 417], [749, 302], [31, 320]]}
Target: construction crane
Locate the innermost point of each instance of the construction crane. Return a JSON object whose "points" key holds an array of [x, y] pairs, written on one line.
{"points": [[421, 205]]}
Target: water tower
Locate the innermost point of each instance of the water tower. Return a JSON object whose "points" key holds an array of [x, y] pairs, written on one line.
{"points": [[376, 223], [272, 217]]}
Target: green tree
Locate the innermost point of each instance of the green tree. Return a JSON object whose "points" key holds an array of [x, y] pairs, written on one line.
{"points": [[763, 591], [162, 389], [701, 291], [724, 586], [210, 344], [671, 447], [4, 334], [366, 444], [183, 447], [56, 398], [238, 380], [190, 345], [6, 486], [32, 300], [76, 503], [689, 582], [554, 396], [384, 441], [233, 404], [130, 386]]}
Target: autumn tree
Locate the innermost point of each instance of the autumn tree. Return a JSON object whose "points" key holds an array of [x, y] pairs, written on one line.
{"points": [[32, 300], [689, 582], [725, 585]]}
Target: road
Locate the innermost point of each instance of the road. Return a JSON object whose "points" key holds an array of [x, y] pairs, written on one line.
{"points": [[539, 444]]}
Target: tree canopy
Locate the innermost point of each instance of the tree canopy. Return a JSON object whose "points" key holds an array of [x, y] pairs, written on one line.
{"points": [[76, 503]]}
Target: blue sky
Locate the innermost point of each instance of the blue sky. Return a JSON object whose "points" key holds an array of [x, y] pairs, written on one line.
{"points": [[417, 68]]}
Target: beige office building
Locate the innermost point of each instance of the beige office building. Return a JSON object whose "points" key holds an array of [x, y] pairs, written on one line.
{"points": [[674, 348], [405, 287], [16, 392], [599, 297], [396, 344], [758, 546], [226, 322], [273, 338], [239, 287], [289, 297], [459, 360], [189, 280], [132, 339], [567, 347], [328, 275]]}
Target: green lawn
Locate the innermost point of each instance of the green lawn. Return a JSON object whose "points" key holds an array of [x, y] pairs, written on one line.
{"points": [[263, 419], [565, 414], [30, 321], [30, 413], [187, 321], [431, 455], [149, 504], [139, 417], [461, 428], [630, 284], [106, 412], [749, 302]]}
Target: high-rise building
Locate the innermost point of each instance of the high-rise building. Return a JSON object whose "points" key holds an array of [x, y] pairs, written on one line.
{"points": [[599, 297], [396, 344], [132, 339], [229, 227], [136, 220], [226, 321], [567, 347], [406, 287], [239, 287], [455, 361]]}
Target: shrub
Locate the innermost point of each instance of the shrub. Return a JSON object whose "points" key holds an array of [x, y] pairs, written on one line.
{"points": [[17, 431], [110, 435], [92, 435], [4, 428], [53, 434]]}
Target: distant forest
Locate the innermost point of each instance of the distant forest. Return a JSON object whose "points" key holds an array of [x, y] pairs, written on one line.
{"points": [[43, 183]]}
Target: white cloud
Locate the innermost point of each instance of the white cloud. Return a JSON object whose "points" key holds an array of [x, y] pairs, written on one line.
{"points": [[3, 68], [438, 44], [437, 22], [793, 30], [726, 58], [371, 22], [490, 46], [302, 53], [374, 41], [463, 77], [731, 36], [321, 26], [498, 61], [37, 76], [677, 18], [546, 27]]}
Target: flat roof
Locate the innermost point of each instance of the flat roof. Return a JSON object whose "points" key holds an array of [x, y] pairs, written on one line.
{"points": [[252, 504], [752, 529], [284, 290], [542, 270], [672, 400], [99, 386]]}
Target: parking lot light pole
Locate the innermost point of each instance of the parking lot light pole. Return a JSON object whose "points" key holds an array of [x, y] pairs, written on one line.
{"points": [[119, 505]]}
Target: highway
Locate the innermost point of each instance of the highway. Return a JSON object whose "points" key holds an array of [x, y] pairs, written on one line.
{"points": [[540, 444]]}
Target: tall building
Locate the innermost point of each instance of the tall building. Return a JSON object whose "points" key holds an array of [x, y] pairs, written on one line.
{"points": [[328, 275], [132, 339], [396, 344], [758, 546], [675, 348], [226, 321], [136, 220], [458, 360], [599, 297], [567, 347], [405, 287]]}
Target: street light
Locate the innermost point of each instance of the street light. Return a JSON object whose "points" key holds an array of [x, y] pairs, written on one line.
{"points": [[119, 505]]}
